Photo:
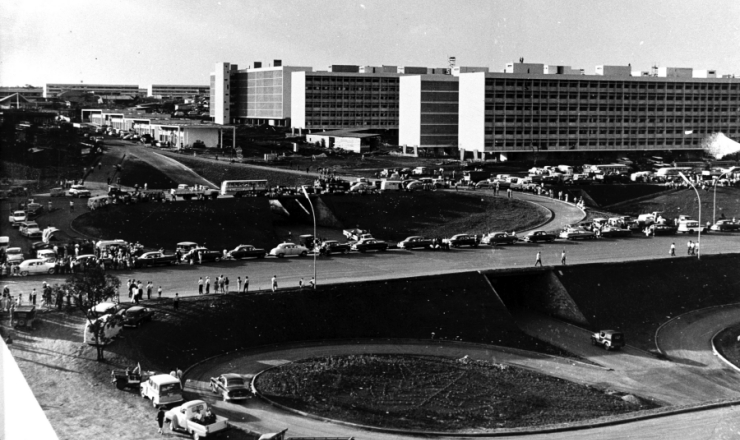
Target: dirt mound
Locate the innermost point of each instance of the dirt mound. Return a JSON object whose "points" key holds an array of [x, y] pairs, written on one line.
{"points": [[429, 393], [218, 224]]}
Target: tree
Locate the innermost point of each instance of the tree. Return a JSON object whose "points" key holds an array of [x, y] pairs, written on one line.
{"points": [[93, 286]]}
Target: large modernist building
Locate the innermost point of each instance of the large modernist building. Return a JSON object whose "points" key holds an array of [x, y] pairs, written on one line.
{"points": [[27, 92], [54, 90], [429, 110], [164, 91]]}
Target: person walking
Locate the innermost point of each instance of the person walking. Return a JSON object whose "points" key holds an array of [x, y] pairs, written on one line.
{"points": [[562, 258], [208, 285], [274, 283], [690, 248], [200, 285], [71, 206], [160, 420], [673, 250], [176, 302], [300, 284], [696, 249], [246, 284], [538, 259]]}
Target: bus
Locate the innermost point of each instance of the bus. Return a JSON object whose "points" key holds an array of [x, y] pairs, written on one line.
{"points": [[241, 188], [672, 171]]}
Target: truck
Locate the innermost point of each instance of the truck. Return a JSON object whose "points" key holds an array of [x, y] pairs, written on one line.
{"points": [[609, 339], [188, 192], [196, 419], [356, 234]]}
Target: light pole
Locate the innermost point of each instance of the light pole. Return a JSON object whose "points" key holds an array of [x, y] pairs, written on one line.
{"points": [[698, 240], [313, 213]]}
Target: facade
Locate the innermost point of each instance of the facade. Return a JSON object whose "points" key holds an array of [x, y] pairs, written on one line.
{"points": [[54, 90], [510, 115], [348, 140], [429, 112], [161, 91], [31, 93]]}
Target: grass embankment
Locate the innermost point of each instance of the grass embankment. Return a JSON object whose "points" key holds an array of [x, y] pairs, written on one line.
{"points": [[138, 172], [684, 202], [637, 297], [218, 224], [430, 393], [395, 216]]}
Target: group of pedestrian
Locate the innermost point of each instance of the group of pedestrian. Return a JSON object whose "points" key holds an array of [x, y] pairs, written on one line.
{"points": [[221, 285], [136, 290], [692, 248], [538, 259]]}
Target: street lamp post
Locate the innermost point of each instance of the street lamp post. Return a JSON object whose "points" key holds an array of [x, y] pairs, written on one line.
{"points": [[313, 213], [698, 240]]}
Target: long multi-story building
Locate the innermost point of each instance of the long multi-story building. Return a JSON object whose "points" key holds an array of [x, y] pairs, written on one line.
{"points": [[28, 92], [429, 112], [516, 115], [54, 90], [164, 91]]}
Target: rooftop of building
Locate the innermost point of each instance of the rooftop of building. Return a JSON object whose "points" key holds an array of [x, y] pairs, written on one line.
{"points": [[565, 77], [350, 133]]}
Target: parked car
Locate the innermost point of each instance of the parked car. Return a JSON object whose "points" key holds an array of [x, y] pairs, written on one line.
{"points": [[33, 210], [463, 240], [690, 227], [200, 252], [79, 191], [37, 266], [609, 231], [370, 245], [186, 246], [230, 386], [150, 259], [288, 249], [162, 389], [539, 236], [726, 226], [576, 234], [662, 229], [104, 308], [414, 242], [495, 238], [191, 418], [329, 247], [29, 229], [609, 339], [45, 254], [246, 251], [16, 217], [24, 316], [14, 255], [136, 315]]}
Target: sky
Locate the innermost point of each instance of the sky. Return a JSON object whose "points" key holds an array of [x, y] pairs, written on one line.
{"points": [[179, 41]]}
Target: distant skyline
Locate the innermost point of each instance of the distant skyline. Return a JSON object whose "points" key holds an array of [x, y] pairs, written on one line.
{"points": [[179, 41]]}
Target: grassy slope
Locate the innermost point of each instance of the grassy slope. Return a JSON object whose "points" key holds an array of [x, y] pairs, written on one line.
{"points": [[136, 171], [637, 297], [684, 202]]}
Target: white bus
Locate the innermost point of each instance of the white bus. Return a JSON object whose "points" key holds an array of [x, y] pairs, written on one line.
{"points": [[672, 171], [240, 188]]}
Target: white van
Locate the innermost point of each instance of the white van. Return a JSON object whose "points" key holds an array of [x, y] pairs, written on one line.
{"points": [[105, 244], [97, 202], [113, 324], [391, 185], [162, 389]]}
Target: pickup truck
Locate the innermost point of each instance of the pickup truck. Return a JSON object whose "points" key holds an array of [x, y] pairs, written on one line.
{"points": [[190, 192], [195, 418], [356, 234], [609, 339], [231, 387]]}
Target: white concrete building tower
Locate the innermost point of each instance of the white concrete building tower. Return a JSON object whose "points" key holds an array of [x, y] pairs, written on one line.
{"points": [[220, 106]]}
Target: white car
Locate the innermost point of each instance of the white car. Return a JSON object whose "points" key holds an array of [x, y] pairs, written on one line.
{"points": [[45, 254], [14, 255], [36, 266], [288, 249], [16, 217], [30, 229], [79, 191], [105, 308]]}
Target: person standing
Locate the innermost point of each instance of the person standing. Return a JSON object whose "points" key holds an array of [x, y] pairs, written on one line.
{"points": [[238, 284], [312, 283], [160, 420], [176, 302], [689, 247], [149, 287], [562, 258], [159, 292], [71, 206], [538, 259], [208, 285], [300, 284], [696, 250], [32, 297], [200, 285], [274, 283], [226, 285], [673, 250], [246, 284]]}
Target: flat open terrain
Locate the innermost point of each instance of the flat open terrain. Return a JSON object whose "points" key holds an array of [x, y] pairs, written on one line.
{"points": [[431, 393], [684, 202]]}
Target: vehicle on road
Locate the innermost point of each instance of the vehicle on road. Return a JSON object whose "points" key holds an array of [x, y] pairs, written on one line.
{"points": [[370, 244], [288, 249], [186, 246], [79, 191], [150, 259], [459, 240], [195, 419], [415, 242], [609, 339], [329, 247], [609, 231], [196, 254], [34, 209], [45, 254], [126, 378], [162, 389], [24, 316], [134, 316], [690, 227], [539, 236], [37, 266], [356, 234], [570, 233], [29, 229], [187, 192], [494, 238], [246, 251], [14, 255], [662, 229], [17, 217], [230, 386], [244, 188], [725, 226]]}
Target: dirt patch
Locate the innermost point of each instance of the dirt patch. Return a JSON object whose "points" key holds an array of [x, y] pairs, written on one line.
{"points": [[431, 393]]}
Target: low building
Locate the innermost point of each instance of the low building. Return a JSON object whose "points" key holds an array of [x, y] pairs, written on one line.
{"points": [[29, 92], [355, 141]]}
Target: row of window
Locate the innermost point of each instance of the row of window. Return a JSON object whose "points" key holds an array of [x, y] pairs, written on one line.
{"points": [[336, 124], [504, 84], [598, 131], [510, 119], [587, 97], [351, 98], [365, 89], [570, 144], [605, 108], [352, 115]]}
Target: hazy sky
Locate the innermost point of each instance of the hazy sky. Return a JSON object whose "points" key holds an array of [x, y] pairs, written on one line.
{"points": [[179, 41]]}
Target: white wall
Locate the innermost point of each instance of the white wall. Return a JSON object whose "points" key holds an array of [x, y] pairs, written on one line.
{"points": [[221, 102], [298, 100], [471, 128], [409, 111], [210, 136]]}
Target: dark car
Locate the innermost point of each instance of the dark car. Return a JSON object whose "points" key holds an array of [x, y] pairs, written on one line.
{"points": [[415, 242], [135, 316], [463, 240], [613, 231], [539, 236], [206, 254], [150, 259], [334, 247], [495, 238], [247, 251], [370, 245]]}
